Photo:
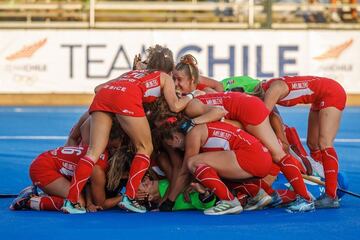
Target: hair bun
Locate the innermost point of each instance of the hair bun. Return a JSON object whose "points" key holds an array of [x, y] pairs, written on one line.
{"points": [[188, 59]]}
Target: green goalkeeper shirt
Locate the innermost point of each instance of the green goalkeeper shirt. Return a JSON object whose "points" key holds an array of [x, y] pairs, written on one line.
{"points": [[181, 204]]}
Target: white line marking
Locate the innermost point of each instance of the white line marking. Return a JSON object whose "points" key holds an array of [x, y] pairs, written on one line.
{"points": [[341, 140], [33, 137]]}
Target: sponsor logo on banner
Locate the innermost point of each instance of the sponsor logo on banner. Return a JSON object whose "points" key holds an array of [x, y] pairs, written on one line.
{"points": [[331, 62], [21, 64], [27, 51], [334, 52]]}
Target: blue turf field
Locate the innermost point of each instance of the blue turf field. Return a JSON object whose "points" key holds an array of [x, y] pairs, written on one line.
{"points": [[26, 132]]}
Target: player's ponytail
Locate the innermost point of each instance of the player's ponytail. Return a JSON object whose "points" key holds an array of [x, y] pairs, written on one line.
{"points": [[188, 64], [119, 165], [258, 91]]}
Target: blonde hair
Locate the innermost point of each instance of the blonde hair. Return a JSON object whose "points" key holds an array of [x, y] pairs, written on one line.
{"points": [[119, 165], [258, 91], [119, 162]]}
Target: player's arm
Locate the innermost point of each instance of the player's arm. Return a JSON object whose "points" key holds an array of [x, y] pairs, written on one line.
{"points": [[75, 133], [202, 113], [175, 164], [98, 184], [175, 104], [212, 83], [192, 147], [278, 127], [276, 91]]}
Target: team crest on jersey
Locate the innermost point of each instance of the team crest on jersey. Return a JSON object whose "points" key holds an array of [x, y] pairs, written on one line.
{"points": [[222, 134], [299, 85], [231, 81], [214, 101], [151, 83], [67, 169]]}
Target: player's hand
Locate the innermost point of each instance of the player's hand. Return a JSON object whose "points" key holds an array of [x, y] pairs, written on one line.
{"points": [[198, 187], [166, 206], [137, 62], [196, 93], [142, 195], [187, 193], [93, 208]]}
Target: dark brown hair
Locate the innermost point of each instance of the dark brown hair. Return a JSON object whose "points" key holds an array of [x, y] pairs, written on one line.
{"points": [[160, 58]]}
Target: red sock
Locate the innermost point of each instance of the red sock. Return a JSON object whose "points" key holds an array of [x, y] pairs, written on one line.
{"points": [[48, 203], [250, 188], [316, 155], [274, 170], [139, 166], [209, 178], [82, 174], [267, 188], [331, 168], [287, 196], [242, 198], [292, 173]]}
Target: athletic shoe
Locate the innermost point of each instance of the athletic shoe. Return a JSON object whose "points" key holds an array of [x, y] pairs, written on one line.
{"points": [[301, 205], [20, 202], [225, 207], [275, 200], [71, 208], [258, 202], [131, 205], [324, 201]]}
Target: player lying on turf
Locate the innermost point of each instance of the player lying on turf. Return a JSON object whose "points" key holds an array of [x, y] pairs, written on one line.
{"points": [[53, 170]]}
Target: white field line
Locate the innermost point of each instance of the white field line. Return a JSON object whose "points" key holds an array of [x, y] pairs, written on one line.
{"points": [[33, 137]]}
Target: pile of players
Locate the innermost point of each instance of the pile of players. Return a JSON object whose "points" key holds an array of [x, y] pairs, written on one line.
{"points": [[179, 140]]}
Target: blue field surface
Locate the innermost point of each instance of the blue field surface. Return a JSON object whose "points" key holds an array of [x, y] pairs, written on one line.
{"points": [[28, 131]]}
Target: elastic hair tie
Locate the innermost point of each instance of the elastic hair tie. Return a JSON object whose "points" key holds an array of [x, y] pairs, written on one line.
{"points": [[171, 120]]}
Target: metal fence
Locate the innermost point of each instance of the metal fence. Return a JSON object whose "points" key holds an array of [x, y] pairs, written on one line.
{"points": [[179, 14]]}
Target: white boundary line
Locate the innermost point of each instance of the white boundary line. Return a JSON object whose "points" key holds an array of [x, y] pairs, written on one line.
{"points": [[341, 140], [33, 137]]}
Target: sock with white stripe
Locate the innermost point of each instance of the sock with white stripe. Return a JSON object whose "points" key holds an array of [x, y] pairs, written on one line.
{"points": [[331, 168], [82, 174], [47, 203], [208, 177], [292, 173], [139, 166]]}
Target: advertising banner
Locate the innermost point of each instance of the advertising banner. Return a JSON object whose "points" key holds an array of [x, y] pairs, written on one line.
{"points": [[75, 61]]}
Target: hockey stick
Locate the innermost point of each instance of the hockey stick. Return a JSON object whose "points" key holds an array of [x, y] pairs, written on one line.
{"points": [[8, 195], [317, 181]]}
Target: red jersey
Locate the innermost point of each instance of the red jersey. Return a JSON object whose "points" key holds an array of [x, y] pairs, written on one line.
{"points": [[225, 137], [126, 94], [305, 89], [241, 107], [201, 86], [65, 159], [250, 154], [147, 81]]}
